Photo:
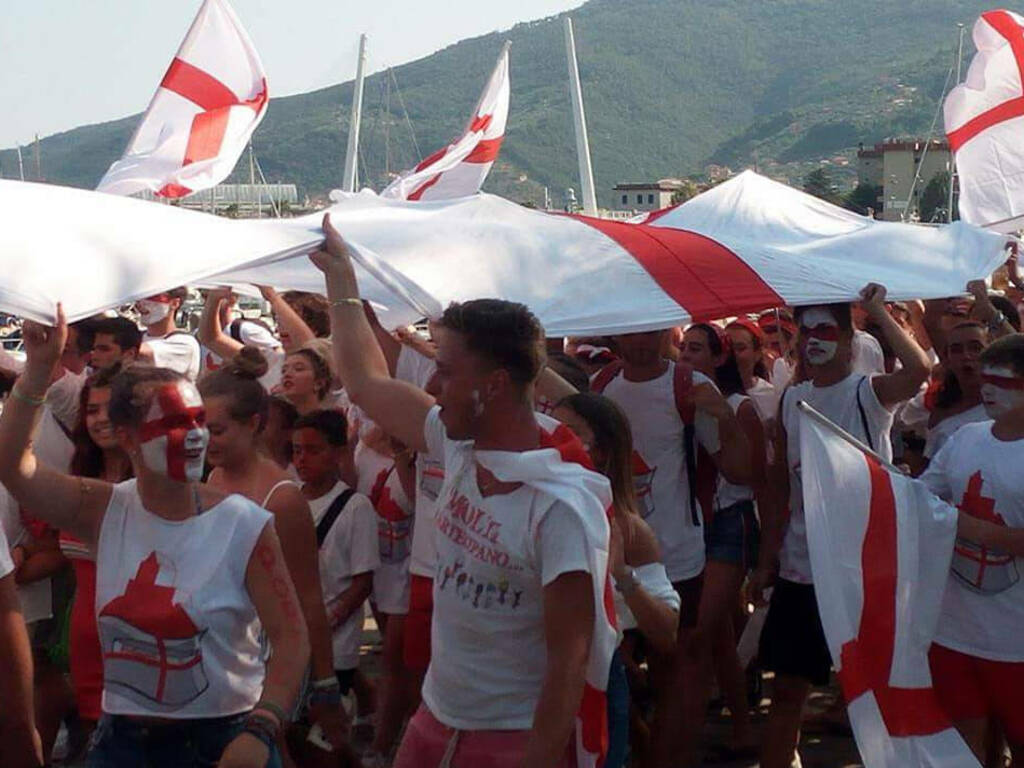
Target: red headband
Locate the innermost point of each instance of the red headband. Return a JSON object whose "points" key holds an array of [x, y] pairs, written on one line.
{"points": [[1004, 382], [750, 326]]}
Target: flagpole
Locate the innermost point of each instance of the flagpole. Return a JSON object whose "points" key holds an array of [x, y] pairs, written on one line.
{"points": [[580, 124], [348, 180], [952, 155], [804, 406]]}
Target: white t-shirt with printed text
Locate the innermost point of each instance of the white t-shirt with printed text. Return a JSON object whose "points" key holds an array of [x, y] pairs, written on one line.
{"points": [[657, 429], [983, 607], [490, 653], [838, 403]]}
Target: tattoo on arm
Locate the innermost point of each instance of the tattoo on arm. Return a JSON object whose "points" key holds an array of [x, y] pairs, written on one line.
{"points": [[268, 559]]}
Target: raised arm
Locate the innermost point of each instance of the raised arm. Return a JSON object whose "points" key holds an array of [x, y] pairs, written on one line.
{"points": [[288, 321], [72, 504], [895, 387], [211, 331], [399, 408]]}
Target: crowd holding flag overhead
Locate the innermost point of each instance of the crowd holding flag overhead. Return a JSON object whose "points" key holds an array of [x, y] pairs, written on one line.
{"points": [[561, 501]]}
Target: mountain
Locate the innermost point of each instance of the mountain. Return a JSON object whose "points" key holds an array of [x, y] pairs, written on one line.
{"points": [[670, 86]]}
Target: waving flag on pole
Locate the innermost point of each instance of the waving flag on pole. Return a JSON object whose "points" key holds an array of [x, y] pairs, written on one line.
{"points": [[984, 118], [460, 168], [881, 546], [209, 102]]}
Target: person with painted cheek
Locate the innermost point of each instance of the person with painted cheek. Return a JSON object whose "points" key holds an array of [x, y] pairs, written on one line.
{"points": [[977, 658], [792, 642], [184, 575], [164, 344]]}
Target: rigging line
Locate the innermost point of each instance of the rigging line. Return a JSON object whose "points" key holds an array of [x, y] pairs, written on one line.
{"points": [[408, 121], [928, 141], [270, 197], [366, 142]]}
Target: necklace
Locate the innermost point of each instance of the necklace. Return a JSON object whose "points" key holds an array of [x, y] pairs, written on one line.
{"points": [[196, 499]]}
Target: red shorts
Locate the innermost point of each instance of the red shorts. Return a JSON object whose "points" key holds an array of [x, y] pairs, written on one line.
{"points": [[416, 644], [970, 688]]}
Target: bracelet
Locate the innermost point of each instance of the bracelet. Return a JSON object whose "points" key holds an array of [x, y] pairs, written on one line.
{"points": [[256, 726], [351, 301], [273, 709], [325, 684], [32, 400]]}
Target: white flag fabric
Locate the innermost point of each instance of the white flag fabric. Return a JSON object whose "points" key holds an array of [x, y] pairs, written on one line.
{"points": [[881, 546], [207, 106], [460, 168], [746, 245], [984, 119]]}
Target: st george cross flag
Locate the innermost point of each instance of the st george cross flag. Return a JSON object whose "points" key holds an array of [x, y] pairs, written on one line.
{"points": [[881, 546], [208, 104], [984, 118], [460, 168]]}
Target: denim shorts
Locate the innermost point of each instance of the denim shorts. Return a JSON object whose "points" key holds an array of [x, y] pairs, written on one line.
{"points": [[734, 535], [120, 741]]}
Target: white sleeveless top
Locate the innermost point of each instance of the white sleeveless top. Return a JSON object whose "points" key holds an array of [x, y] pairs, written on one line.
{"points": [[174, 615], [729, 493]]}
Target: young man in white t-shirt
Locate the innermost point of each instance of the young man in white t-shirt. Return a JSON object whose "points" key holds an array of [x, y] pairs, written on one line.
{"points": [[793, 642], [19, 740], [164, 344], [977, 659], [346, 533], [515, 606]]}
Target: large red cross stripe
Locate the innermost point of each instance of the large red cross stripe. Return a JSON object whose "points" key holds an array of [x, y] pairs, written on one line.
{"points": [[866, 660], [1003, 23], [703, 276], [208, 127]]}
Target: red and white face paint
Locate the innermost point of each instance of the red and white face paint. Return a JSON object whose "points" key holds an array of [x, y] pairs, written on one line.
{"points": [[820, 334], [1002, 391], [154, 309], [174, 436]]}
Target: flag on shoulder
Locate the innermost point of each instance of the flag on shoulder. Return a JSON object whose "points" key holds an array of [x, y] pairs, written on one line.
{"points": [[460, 168], [881, 546], [207, 106]]}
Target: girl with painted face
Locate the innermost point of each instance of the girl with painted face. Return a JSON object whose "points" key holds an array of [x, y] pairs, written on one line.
{"points": [[646, 604], [977, 659], [236, 407], [183, 573]]}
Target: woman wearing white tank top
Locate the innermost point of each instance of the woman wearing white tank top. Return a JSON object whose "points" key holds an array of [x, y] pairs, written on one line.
{"points": [[236, 410], [183, 571]]}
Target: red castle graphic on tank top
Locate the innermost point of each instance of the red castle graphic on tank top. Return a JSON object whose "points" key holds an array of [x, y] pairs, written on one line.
{"points": [[151, 647], [978, 568]]}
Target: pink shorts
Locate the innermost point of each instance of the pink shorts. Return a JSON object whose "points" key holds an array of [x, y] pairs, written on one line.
{"points": [[427, 740]]}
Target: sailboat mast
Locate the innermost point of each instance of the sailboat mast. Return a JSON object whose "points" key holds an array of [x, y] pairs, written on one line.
{"points": [[38, 159], [21, 165], [952, 156], [580, 125], [348, 182]]}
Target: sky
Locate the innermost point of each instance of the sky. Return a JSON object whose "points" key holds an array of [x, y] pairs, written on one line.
{"points": [[65, 63]]}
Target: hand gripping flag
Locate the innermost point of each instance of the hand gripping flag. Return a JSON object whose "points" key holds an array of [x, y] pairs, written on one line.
{"points": [[460, 168], [209, 102], [984, 122], [881, 546]]}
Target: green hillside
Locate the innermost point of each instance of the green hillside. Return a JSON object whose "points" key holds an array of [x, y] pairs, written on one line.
{"points": [[669, 86]]}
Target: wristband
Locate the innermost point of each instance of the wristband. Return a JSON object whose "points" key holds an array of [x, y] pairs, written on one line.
{"points": [[258, 727], [273, 710], [325, 684], [32, 400]]}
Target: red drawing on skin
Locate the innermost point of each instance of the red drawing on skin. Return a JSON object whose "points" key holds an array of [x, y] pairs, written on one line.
{"points": [[177, 421]]}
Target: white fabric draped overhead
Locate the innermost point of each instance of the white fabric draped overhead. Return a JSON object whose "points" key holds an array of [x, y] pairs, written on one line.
{"points": [[747, 244]]}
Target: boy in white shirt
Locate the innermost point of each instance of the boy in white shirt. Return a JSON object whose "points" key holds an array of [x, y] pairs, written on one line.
{"points": [[346, 532], [166, 345], [977, 659]]}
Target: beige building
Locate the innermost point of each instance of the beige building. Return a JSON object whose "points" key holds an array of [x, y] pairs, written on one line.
{"points": [[893, 166], [645, 196]]}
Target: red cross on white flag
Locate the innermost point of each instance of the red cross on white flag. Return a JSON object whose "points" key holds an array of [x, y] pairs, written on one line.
{"points": [[460, 168], [208, 104], [881, 546], [984, 119]]}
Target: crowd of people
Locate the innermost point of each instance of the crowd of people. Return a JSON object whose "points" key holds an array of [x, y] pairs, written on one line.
{"points": [[567, 545]]}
